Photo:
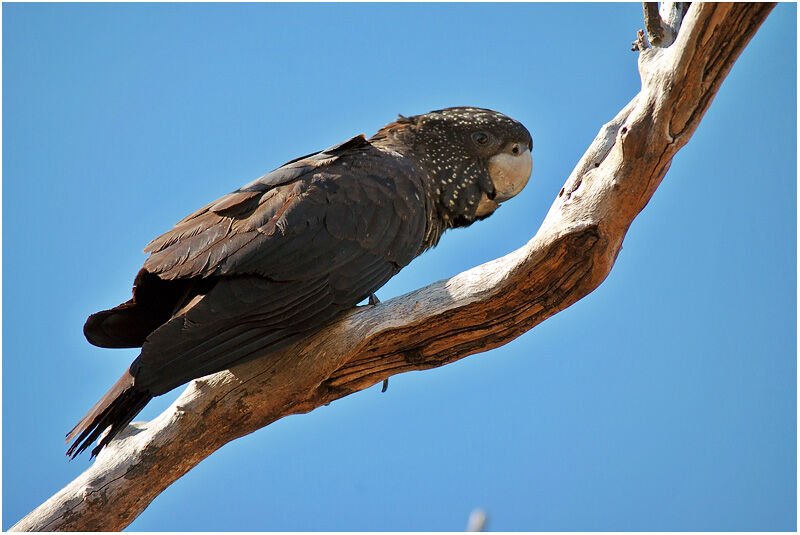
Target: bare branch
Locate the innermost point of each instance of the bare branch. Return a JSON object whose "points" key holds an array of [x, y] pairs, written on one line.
{"points": [[652, 23], [672, 14], [662, 24], [475, 311]]}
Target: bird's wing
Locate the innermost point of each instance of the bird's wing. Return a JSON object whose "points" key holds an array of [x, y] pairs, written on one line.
{"points": [[238, 320], [287, 255], [301, 220]]}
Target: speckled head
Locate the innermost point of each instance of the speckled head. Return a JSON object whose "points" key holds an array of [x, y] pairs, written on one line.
{"points": [[475, 158]]}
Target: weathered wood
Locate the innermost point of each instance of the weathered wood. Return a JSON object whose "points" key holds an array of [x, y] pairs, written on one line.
{"points": [[475, 311], [662, 24], [653, 24]]}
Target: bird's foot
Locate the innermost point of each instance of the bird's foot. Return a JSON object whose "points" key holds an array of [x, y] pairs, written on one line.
{"points": [[373, 299], [385, 385]]}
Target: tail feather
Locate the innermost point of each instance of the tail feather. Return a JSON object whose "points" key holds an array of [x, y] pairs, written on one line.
{"points": [[115, 410], [126, 325]]}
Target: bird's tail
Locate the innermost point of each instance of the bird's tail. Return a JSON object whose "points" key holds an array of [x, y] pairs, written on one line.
{"points": [[116, 409]]}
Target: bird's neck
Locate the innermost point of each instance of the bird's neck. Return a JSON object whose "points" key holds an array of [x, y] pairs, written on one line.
{"points": [[399, 144]]}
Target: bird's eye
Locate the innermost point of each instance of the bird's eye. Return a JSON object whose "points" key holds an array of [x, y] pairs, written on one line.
{"points": [[515, 150], [480, 138]]}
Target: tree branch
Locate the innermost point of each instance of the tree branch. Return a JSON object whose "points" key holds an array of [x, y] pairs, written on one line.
{"points": [[652, 23], [477, 310], [662, 24]]}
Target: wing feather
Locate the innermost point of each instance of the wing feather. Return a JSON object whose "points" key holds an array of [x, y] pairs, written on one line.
{"points": [[209, 337]]}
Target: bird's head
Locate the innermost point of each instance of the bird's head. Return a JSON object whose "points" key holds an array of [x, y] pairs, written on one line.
{"points": [[474, 158]]}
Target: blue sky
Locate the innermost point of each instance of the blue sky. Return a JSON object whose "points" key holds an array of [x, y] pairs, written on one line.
{"points": [[664, 400]]}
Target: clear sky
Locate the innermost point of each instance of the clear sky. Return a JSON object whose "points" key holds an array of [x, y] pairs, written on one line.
{"points": [[665, 400]]}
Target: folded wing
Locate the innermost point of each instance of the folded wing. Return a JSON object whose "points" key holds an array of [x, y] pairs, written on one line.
{"points": [[276, 260]]}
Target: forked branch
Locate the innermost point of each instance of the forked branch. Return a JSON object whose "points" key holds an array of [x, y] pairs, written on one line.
{"points": [[475, 311], [662, 24]]}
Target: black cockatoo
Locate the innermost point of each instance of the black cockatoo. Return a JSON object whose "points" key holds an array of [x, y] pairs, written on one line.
{"points": [[281, 257]]}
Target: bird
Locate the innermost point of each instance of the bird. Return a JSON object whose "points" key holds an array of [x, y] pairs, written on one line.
{"points": [[281, 257]]}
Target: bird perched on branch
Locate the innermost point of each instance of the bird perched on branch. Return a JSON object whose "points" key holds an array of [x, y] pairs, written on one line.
{"points": [[281, 257]]}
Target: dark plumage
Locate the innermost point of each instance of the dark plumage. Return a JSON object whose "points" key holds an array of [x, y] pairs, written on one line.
{"points": [[279, 258]]}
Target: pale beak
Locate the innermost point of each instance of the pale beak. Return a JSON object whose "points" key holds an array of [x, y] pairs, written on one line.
{"points": [[509, 174]]}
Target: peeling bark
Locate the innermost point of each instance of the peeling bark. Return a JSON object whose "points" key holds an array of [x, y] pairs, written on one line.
{"points": [[477, 310]]}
